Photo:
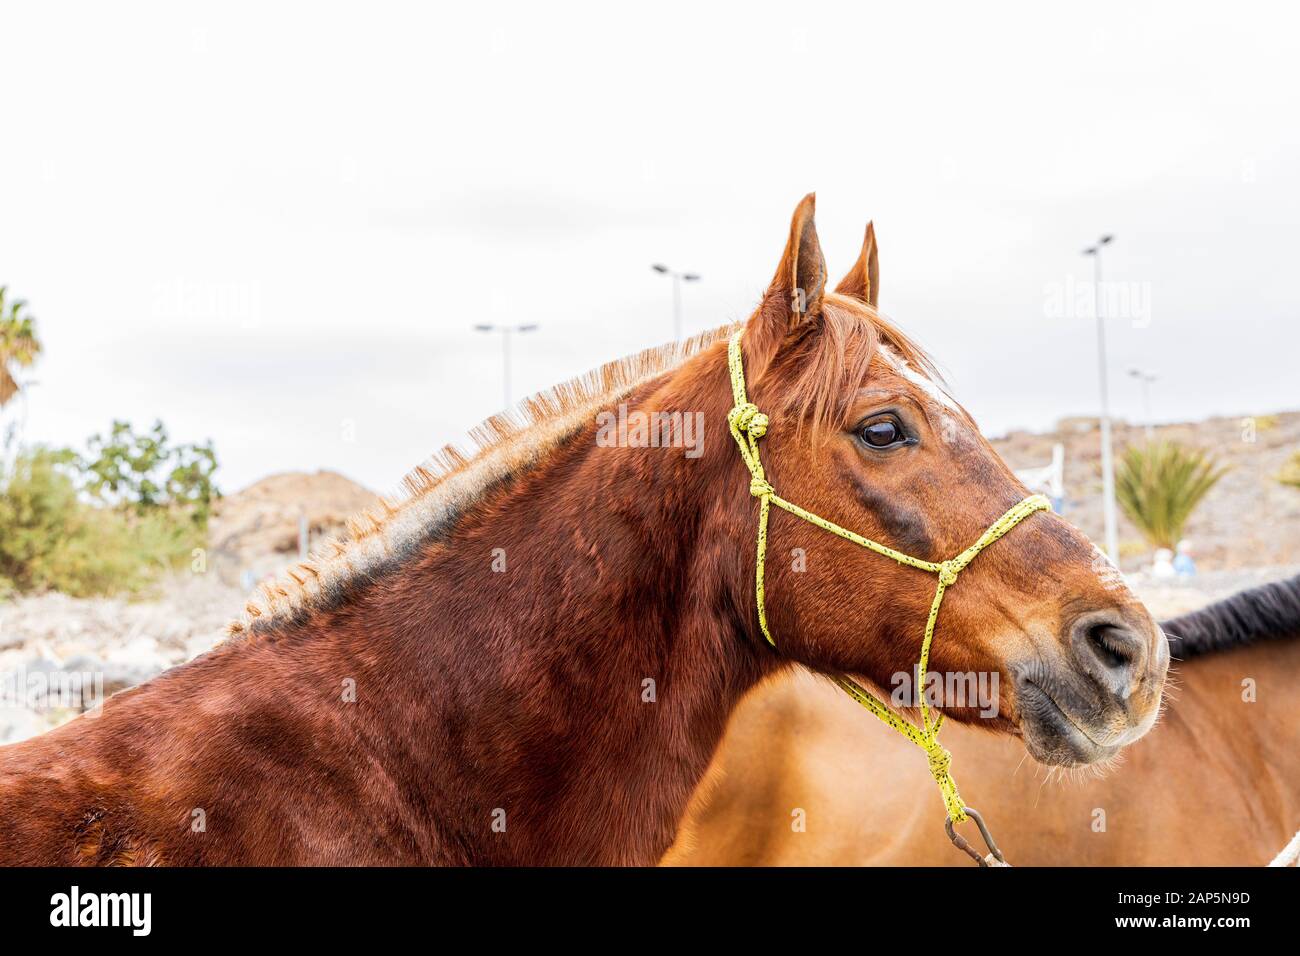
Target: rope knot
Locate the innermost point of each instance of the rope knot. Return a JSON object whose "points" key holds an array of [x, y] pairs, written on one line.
{"points": [[760, 488], [948, 573], [747, 418], [940, 762]]}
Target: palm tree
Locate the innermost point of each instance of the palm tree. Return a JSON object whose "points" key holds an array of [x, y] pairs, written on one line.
{"points": [[1160, 484], [18, 343]]}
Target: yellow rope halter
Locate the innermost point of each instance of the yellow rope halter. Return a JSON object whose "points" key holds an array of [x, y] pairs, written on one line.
{"points": [[748, 425]]}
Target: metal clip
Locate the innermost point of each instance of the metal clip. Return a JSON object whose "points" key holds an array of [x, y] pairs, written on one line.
{"points": [[994, 858]]}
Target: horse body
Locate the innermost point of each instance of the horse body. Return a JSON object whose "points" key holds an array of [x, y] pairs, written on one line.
{"points": [[1214, 784], [533, 658]]}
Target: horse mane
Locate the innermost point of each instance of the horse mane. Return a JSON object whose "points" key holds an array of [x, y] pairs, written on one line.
{"points": [[437, 492], [1268, 612], [830, 367]]}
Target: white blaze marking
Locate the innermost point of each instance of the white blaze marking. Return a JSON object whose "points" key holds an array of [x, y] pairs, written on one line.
{"points": [[921, 381]]}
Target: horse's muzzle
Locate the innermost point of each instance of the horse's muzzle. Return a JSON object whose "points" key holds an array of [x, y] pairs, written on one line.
{"points": [[1101, 694]]}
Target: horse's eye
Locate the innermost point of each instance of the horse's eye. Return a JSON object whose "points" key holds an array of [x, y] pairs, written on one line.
{"points": [[882, 433]]}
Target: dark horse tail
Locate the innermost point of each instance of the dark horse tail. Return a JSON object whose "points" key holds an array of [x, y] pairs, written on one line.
{"points": [[1268, 612]]}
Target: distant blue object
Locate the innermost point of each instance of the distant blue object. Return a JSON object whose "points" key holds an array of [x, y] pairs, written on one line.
{"points": [[1184, 566]]}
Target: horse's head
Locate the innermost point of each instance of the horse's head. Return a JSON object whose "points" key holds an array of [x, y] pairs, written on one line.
{"points": [[863, 434]]}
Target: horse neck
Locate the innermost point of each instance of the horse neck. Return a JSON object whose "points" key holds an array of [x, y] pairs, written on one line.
{"points": [[1240, 702], [576, 645]]}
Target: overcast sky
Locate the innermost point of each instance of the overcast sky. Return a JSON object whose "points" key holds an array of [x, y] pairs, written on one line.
{"points": [[275, 226]]}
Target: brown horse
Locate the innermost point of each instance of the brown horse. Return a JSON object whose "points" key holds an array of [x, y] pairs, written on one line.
{"points": [[533, 658], [1217, 783]]}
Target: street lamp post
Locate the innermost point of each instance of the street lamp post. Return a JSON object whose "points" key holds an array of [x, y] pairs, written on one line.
{"points": [[1147, 379], [1107, 454], [506, 331], [678, 278]]}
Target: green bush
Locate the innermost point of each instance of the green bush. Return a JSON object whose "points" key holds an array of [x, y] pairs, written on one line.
{"points": [[1160, 484], [53, 539], [144, 473], [107, 523]]}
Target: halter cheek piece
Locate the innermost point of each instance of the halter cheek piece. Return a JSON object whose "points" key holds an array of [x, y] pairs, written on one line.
{"points": [[748, 425]]}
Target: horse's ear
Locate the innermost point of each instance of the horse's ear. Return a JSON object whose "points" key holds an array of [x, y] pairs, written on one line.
{"points": [[863, 280], [795, 295], [802, 272]]}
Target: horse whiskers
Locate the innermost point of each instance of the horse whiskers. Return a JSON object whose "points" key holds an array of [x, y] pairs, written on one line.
{"points": [[1023, 757], [1169, 693], [1079, 775]]}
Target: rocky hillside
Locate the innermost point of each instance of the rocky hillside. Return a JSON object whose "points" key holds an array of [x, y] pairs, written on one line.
{"points": [[1248, 520], [257, 528]]}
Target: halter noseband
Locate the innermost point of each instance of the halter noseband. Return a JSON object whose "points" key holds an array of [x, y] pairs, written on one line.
{"points": [[748, 425]]}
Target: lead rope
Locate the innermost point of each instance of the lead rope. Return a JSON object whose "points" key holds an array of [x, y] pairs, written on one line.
{"points": [[1290, 855], [747, 426]]}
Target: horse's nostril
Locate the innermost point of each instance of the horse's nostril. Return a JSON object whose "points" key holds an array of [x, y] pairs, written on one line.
{"points": [[1113, 646], [1110, 649]]}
